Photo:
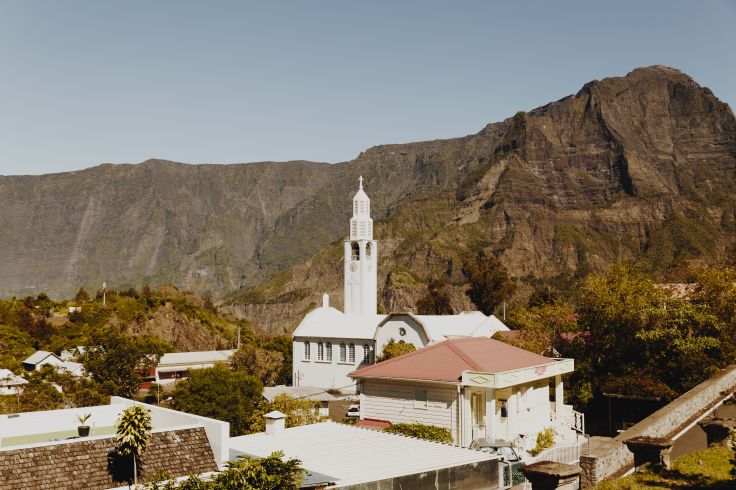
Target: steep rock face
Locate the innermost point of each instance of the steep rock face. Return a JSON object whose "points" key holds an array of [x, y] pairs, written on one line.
{"points": [[639, 168]]}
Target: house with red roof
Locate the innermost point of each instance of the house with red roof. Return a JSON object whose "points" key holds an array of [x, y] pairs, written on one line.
{"points": [[476, 387]]}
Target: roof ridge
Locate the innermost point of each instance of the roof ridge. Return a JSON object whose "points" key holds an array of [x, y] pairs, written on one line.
{"points": [[461, 354]]}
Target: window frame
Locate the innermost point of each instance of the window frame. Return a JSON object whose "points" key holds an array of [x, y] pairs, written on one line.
{"points": [[343, 352], [351, 353], [328, 352], [366, 354], [307, 351], [320, 351]]}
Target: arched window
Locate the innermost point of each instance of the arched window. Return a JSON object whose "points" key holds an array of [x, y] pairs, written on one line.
{"points": [[307, 350], [343, 353], [320, 351], [368, 249], [351, 353], [366, 354], [355, 255], [329, 351]]}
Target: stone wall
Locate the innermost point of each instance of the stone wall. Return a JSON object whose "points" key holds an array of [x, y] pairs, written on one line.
{"points": [[608, 456]]}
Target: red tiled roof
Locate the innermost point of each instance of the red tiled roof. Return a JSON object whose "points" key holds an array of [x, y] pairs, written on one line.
{"points": [[447, 360], [373, 424]]}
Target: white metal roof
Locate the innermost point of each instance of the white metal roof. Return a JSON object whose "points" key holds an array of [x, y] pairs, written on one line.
{"points": [[468, 324], [39, 356], [302, 392], [349, 455], [7, 378], [71, 366], [329, 322], [201, 357]]}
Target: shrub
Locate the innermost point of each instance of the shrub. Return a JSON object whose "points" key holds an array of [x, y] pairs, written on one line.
{"points": [[421, 431], [545, 440]]}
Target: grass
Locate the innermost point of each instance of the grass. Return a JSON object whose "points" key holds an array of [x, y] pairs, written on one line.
{"points": [[707, 469]]}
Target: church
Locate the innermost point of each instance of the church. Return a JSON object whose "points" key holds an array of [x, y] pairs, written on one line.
{"points": [[329, 344]]}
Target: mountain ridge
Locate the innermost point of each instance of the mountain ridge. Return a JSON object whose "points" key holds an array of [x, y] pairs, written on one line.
{"points": [[620, 170]]}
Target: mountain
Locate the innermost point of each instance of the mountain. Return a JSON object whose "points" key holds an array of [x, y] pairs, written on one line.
{"points": [[641, 168]]}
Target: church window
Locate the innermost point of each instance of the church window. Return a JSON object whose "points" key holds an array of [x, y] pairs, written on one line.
{"points": [[320, 351], [368, 250], [343, 353], [366, 354], [355, 207], [356, 251], [307, 350], [328, 347], [351, 353], [402, 331]]}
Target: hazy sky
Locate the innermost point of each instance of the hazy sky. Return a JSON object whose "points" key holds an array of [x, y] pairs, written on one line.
{"points": [[88, 82]]}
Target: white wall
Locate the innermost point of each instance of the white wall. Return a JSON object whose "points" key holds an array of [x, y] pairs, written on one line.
{"points": [[326, 374], [529, 411], [390, 330], [395, 401]]}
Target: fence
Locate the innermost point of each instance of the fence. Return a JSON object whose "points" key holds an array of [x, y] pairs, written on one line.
{"points": [[510, 474]]}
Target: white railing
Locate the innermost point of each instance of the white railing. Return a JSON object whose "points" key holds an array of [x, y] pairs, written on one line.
{"points": [[578, 421], [568, 419]]}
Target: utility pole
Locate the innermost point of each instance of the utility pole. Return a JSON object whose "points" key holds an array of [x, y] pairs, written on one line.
{"points": [[104, 289], [504, 311], [238, 337]]}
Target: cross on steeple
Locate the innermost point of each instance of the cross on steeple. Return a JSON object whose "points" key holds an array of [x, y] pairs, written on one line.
{"points": [[360, 179]]}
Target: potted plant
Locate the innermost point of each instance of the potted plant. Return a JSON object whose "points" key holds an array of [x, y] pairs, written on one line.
{"points": [[83, 428]]}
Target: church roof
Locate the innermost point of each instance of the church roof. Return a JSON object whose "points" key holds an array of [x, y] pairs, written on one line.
{"points": [[446, 361], [467, 324], [329, 322]]}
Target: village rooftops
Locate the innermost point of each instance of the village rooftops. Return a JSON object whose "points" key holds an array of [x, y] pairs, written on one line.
{"points": [[39, 356], [343, 455], [468, 361]]}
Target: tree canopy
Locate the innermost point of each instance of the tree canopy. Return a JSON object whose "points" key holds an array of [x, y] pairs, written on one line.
{"points": [[395, 349], [489, 282]]}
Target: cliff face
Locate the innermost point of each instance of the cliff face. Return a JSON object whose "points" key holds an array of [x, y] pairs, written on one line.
{"points": [[639, 168]]}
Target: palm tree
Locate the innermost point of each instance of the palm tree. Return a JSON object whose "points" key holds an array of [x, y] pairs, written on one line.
{"points": [[133, 431]]}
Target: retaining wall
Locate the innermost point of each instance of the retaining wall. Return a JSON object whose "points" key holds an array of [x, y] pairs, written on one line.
{"points": [[608, 456]]}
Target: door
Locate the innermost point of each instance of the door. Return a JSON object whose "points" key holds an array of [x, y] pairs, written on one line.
{"points": [[478, 413]]}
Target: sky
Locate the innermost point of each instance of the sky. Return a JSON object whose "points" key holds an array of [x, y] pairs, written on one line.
{"points": [[90, 82]]}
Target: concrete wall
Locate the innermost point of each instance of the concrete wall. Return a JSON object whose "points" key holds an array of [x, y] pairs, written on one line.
{"points": [[477, 476], [414, 333], [609, 455], [328, 374]]}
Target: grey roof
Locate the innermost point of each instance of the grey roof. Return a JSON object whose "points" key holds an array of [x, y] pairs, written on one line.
{"points": [[301, 392], [349, 455], [39, 356]]}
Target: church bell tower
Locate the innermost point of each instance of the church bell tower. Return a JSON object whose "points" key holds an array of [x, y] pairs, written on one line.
{"points": [[361, 259]]}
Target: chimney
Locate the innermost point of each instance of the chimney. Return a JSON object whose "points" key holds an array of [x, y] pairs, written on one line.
{"points": [[275, 423], [325, 300]]}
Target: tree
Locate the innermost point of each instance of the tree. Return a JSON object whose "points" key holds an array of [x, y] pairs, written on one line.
{"points": [[284, 345], [421, 431], [437, 301], [116, 361], [220, 393], [395, 349], [298, 412], [82, 295], [261, 363], [489, 281], [133, 430]]}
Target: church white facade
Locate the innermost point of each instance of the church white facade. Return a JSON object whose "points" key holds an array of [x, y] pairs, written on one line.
{"points": [[329, 344]]}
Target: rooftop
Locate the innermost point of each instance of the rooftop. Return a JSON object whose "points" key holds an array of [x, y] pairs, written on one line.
{"points": [[345, 455], [302, 392], [446, 361], [39, 356], [200, 357]]}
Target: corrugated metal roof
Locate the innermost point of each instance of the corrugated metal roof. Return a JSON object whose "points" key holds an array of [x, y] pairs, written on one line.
{"points": [[39, 356], [302, 392], [200, 357], [7, 378], [446, 361], [328, 322], [349, 455]]}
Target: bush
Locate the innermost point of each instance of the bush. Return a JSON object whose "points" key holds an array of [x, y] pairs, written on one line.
{"points": [[421, 431], [545, 440]]}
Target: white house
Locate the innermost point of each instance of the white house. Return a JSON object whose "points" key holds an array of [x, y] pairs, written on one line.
{"points": [[176, 365], [73, 368], [41, 358], [329, 343], [11, 384], [476, 387]]}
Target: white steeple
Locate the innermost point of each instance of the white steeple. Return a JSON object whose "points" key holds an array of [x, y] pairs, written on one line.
{"points": [[361, 224], [361, 258]]}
